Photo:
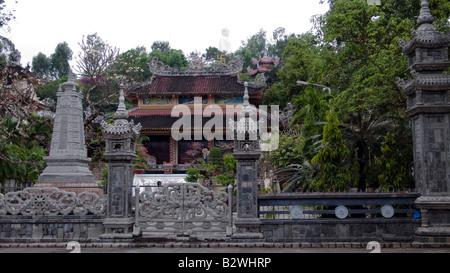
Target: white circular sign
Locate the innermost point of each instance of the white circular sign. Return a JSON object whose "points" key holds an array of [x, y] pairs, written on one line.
{"points": [[341, 212], [387, 211], [296, 212]]}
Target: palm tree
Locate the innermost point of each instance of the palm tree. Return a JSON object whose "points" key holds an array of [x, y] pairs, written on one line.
{"points": [[364, 133]]}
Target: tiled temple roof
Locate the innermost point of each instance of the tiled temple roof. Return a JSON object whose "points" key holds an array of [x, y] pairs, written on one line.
{"points": [[195, 85]]}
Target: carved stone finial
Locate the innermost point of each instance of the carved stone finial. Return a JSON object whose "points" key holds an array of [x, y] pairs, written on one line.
{"points": [[425, 16], [121, 113], [70, 85], [121, 124], [71, 77], [246, 96]]}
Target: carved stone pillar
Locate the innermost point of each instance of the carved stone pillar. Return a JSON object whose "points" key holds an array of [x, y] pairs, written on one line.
{"points": [[247, 152], [120, 139], [428, 95]]}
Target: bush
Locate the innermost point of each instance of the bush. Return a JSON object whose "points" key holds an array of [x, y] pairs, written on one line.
{"points": [[193, 175], [225, 179], [230, 163], [215, 158]]}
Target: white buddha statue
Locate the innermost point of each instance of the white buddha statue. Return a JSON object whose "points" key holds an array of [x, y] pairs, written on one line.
{"points": [[225, 43]]}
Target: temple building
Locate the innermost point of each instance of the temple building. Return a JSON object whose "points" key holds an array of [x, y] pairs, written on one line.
{"points": [[265, 64], [217, 84]]}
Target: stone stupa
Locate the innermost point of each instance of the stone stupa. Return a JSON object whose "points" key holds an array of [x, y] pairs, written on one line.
{"points": [[67, 164]]}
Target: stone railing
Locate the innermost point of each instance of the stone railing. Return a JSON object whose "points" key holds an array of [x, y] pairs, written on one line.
{"points": [[51, 202]]}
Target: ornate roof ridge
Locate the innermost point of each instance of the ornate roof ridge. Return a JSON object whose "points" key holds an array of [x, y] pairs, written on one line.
{"points": [[120, 129], [426, 34], [197, 68], [260, 82], [425, 79]]}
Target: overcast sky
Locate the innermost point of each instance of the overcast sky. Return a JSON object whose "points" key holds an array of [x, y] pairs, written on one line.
{"points": [[189, 25]]}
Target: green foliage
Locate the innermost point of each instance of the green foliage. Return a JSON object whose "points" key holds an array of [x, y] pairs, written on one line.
{"points": [[299, 60], [167, 55], [215, 158], [296, 176], [104, 181], [133, 65], [229, 162], [41, 64], [332, 160], [193, 174], [288, 151], [7, 47], [50, 89], [354, 51], [22, 158], [225, 179], [9, 170], [394, 173], [56, 66], [60, 60]]}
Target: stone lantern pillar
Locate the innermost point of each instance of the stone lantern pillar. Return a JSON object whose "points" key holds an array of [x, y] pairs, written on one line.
{"points": [[120, 140], [246, 152], [428, 98]]}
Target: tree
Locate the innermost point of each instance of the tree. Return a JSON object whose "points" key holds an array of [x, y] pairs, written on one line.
{"points": [[22, 148], [23, 136], [132, 67], [60, 60], [7, 51], [332, 160], [95, 64], [355, 51], [42, 65], [363, 73], [167, 55], [254, 47], [215, 158], [394, 175], [5, 15], [299, 61], [162, 46], [6, 46], [56, 66]]}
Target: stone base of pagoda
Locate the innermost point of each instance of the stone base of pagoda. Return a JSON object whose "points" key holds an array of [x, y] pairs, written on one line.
{"points": [[69, 174], [435, 228], [70, 186]]}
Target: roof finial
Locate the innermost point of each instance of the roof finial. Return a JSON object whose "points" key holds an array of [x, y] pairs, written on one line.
{"points": [[425, 16], [246, 96], [70, 84], [70, 78], [121, 109]]}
